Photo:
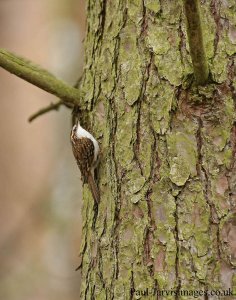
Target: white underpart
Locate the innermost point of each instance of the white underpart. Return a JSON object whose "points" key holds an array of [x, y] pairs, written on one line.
{"points": [[81, 132]]}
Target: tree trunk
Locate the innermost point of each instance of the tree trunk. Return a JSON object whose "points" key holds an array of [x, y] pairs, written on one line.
{"points": [[167, 172]]}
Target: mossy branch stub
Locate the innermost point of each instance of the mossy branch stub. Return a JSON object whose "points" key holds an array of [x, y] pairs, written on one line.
{"points": [[196, 43], [38, 77]]}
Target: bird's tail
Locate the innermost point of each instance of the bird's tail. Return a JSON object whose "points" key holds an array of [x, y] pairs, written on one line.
{"points": [[94, 188]]}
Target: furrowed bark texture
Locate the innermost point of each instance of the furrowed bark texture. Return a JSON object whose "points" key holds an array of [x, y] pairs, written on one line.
{"points": [[167, 173]]}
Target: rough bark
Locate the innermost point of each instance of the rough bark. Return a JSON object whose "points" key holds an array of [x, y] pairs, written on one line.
{"points": [[167, 173]]}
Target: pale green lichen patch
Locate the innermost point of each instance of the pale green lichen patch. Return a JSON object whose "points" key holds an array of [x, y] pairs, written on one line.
{"points": [[99, 293], [230, 42], [171, 11], [220, 135], [220, 195], [193, 224], [107, 75], [208, 30], [124, 134], [142, 281], [115, 21], [136, 198], [161, 189], [232, 34], [230, 113], [202, 242], [200, 212], [141, 195], [186, 269], [227, 238], [164, 42], [160, 107], [153, 5], [145, 147], [135, 12], [157, 39], [186, 213], [131, 243], [135, 181], [179, 171], [219, 67], [234, 284], [170, 67], [130, 63], [164, 167], [234, 82], [195, 186], [89, 81], [224, 157], [228, 11], [120, 290], [163, 210], [163, 39], [231, 38], [182, 157], [200, 267], [216, 138]]}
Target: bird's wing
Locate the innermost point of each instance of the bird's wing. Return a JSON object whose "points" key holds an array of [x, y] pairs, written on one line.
{"points": [[83, 150]]}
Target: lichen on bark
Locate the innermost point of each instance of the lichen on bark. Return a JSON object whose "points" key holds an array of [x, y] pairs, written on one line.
{"points": [[166, 175]]}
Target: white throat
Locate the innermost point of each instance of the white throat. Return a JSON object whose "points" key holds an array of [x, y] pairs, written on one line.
{"points": [[81, 132]]}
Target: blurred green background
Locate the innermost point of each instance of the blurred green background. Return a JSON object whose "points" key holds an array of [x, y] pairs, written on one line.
{"points": [[40, 189]]}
